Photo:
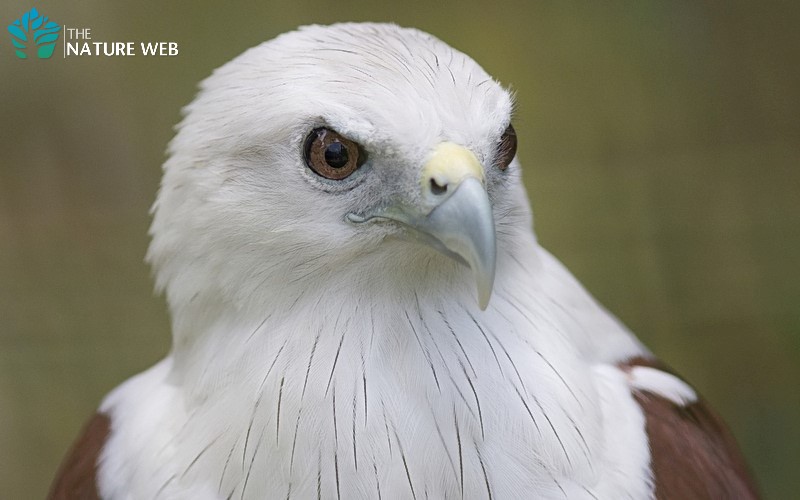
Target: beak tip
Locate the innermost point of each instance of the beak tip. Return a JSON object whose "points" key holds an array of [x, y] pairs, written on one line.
{"points": [[485, 287]]}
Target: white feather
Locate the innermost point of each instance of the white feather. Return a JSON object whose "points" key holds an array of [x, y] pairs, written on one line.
{"points": [[666, 385]]}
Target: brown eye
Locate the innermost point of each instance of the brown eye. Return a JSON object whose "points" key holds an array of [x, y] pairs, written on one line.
{"points": [[506, 148], [332, 155]]}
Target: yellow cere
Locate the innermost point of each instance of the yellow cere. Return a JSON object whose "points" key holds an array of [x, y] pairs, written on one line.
{"points": [[450, 164]]}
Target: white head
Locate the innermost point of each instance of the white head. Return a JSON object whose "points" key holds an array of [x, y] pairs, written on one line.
{"points": [[246, 217]]}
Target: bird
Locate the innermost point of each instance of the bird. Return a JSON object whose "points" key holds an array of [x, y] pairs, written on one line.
{"points": [[360, 307]]}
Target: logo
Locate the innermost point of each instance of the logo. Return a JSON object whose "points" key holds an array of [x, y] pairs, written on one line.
{"points": [[34, 29]]}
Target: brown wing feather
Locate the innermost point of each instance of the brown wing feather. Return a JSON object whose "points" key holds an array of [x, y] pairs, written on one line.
{"points": [[693, 454], [76, 476]]}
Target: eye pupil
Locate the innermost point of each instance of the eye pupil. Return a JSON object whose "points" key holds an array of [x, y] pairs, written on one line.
{"points": [[336, 155]]}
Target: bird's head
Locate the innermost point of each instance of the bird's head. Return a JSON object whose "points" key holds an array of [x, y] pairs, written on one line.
{"points": [[365, 149]]}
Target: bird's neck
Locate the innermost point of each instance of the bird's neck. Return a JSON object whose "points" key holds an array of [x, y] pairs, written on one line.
{"points": [[422, 388], [402, 384], [380, 348], [381, 311]]}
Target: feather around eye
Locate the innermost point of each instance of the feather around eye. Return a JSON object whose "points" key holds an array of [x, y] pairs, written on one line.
{"points": [[506, 148], [331, 155]]}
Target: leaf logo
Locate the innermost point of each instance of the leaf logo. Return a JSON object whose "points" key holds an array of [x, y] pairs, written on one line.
{"points": [[34, 27]]}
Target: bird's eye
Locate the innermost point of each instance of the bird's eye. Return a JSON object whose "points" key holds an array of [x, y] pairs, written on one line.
{"points": [[332, 155], [506, 148]]}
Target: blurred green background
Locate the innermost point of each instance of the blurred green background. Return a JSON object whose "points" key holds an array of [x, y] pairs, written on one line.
{"points": [[661, 146]]}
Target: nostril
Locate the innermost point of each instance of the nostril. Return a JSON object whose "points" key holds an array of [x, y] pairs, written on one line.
{"points": [[437, 188]]}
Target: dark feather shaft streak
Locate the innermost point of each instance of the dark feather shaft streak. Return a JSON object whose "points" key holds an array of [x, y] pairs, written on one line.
{"points": [[424, 352]]}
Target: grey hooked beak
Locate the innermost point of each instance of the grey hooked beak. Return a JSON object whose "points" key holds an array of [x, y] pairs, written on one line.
{"points": [[460, 223], [464, 225]]}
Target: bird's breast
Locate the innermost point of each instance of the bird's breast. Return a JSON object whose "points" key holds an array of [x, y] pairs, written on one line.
{"points": [[447, 403]]}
